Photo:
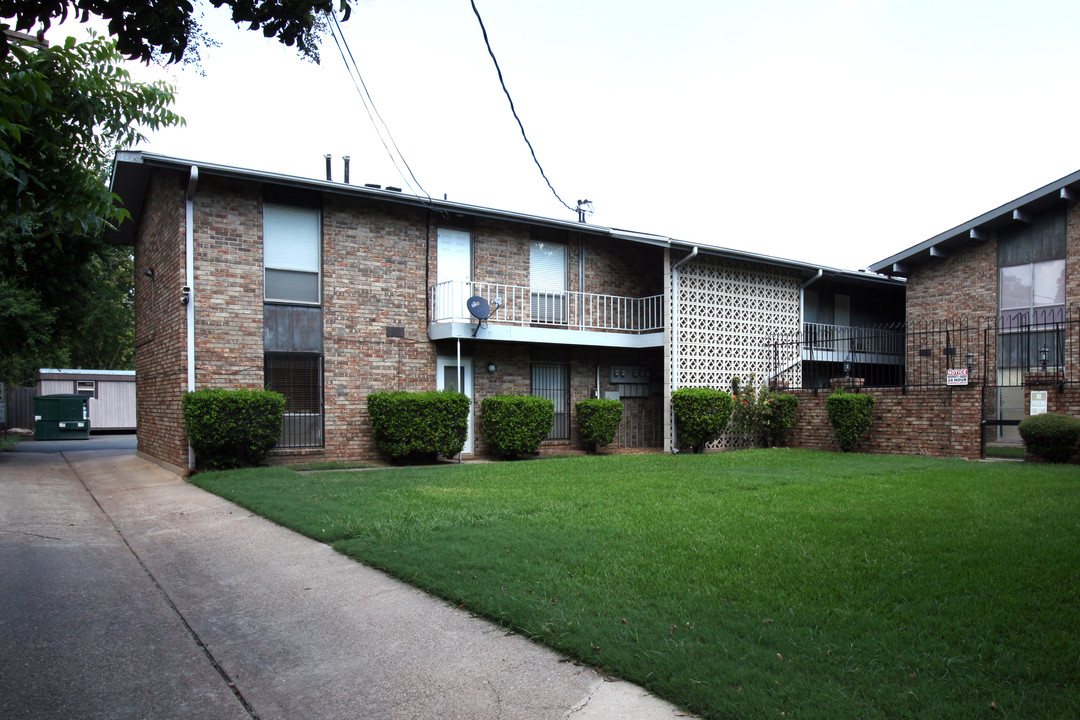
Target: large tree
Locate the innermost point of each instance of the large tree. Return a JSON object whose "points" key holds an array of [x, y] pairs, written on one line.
{"points": [[150, 29], [65, 110]]}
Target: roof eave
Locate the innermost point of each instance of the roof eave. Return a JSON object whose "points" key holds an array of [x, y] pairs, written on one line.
{"points": [[977, 229]]}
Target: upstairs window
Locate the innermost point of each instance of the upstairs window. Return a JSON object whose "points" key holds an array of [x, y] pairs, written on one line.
{"points": [[1033, 292], [291, 254], [547, 282]]}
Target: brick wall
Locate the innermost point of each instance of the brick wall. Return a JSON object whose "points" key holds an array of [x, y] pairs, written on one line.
{"points": [[1060, 399], [378, 261], [942, 422], [160, 321], [373, 278], [513, 376], [228, 288], [962, 285]]}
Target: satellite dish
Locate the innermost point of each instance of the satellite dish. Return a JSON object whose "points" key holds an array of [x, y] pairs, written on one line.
{"points": [[478, 307]]}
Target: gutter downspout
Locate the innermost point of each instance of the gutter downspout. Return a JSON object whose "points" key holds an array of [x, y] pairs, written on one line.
{"points": [[189, 282], [675, 339]]}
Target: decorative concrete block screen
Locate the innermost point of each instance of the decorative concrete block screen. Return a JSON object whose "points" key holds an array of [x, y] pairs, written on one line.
{"points": [[729, 313]]}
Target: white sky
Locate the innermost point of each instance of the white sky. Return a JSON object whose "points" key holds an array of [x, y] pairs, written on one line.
{"points": [[830, 131]]}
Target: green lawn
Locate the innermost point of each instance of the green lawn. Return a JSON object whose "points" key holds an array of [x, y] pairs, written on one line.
{"points": [[745, 584]]}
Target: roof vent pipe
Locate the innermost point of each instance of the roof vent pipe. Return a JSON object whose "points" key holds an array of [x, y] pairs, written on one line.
{"points": [[346, 159], [328, 156]]}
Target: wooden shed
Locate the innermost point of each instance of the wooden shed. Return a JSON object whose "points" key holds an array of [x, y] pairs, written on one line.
{"points": [[111, 393]]}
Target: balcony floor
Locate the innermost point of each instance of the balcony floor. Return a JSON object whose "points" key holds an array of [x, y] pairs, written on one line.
{"points": [[545, 335]]}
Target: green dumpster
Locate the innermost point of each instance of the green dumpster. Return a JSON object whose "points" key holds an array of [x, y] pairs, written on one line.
{"points": [[61, 417]]}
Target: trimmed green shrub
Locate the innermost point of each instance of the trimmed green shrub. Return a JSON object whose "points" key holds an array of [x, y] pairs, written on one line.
{"points": [[777, 415], [1050, 435], [516, 424], [232, 428], [598, 421], [850, 415], [419, 425], [701, 414]]}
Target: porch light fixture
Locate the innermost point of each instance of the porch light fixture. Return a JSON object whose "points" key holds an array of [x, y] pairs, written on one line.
{"points": [[491, 367], [1044, 353], [970, 362], [847, 368]]}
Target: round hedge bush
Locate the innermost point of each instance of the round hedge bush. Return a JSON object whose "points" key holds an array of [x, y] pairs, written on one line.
{"points": [[515, 425], [1050, 435], [850, 415], [701, 414], [598, 420], [232, 428]]}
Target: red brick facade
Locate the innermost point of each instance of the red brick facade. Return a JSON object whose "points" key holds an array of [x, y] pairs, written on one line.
{"points": [[160, 323], [943, 422], [378, 261]]}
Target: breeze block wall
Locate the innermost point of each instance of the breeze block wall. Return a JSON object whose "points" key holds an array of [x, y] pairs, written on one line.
{"points": [[160, 322], [729, 312]]}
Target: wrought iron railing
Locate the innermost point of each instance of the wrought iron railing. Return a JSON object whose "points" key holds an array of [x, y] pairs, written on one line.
{"points": [[516, 305], [993, 351], [844, 339]]}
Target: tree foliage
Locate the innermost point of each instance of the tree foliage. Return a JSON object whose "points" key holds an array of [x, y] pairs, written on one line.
{"points": [[167, 29], [66, 108], [66, 296]]}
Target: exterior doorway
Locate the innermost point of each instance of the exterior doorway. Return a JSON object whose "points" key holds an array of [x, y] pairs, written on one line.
{"points": [[451, 376]]}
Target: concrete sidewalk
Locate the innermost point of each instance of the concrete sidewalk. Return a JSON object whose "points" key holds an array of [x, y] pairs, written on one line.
{"points": [[125, 592]]}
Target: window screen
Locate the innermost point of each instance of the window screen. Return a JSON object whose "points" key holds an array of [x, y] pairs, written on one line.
{"points": [[547, 282], [291, 254]]}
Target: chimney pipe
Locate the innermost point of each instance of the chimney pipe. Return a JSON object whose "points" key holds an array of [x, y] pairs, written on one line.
{"points": [[346, 159], [328, 177]]}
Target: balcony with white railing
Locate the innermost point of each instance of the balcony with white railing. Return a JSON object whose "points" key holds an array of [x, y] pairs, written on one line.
{"points": [[521, 314], [837, 343]]}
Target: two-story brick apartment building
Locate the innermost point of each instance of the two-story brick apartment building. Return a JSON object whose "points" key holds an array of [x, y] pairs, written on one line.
{"points": [[1007, 285], [328, 292]]}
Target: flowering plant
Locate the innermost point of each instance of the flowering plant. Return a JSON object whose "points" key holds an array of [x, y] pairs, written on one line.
{"points": [[762, 414]]}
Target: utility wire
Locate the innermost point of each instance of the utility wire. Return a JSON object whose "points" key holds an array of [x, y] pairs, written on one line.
{"points": [[514, 110], [369, 105]]}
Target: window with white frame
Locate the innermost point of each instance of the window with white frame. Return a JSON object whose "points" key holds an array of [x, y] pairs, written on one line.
{"points": [[547, 282], [292, 244]]}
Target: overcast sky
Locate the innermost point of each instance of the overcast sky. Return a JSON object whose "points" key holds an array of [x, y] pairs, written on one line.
{"points": [[830, 131]]}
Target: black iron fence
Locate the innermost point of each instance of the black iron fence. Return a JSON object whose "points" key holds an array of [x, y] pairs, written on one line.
{"points": [[993, 351]]}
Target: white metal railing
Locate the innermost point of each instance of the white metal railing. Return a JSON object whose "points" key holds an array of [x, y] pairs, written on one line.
{"points": [[846, 339], [526, 306]]}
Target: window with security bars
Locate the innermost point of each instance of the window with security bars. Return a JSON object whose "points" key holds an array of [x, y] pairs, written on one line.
{"points": [[552, 381], [299, 378]]}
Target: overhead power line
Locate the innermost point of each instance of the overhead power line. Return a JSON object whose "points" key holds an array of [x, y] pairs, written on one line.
{"points": [[381, 128], [514, 110]]}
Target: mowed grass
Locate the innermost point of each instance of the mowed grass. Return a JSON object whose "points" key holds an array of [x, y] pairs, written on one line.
{"points": [[755, 584]]}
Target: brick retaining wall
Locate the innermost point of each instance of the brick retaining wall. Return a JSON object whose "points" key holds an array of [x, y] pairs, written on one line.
{"points": [[943, 422]]}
